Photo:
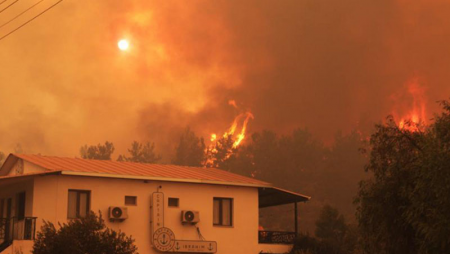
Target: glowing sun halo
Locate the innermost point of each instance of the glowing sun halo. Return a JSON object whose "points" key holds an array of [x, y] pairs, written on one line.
{"points": [[123, 44]]}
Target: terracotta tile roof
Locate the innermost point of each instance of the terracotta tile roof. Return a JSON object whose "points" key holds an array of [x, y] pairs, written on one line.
{"points": [[138, 170]]}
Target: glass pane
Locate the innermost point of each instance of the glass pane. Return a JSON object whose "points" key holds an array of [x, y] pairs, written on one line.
{"points": [[216, 213], [83, 204], [72, 205], [226, 212]]}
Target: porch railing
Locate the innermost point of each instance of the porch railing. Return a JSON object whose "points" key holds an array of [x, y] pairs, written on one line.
{"points": [[276, 237], [15, 229]]}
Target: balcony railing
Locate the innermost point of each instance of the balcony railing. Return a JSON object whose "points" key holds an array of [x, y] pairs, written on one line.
{"points": [[15, 229], [276, 237]]}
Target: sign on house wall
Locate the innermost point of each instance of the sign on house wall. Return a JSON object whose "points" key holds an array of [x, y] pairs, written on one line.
{"points": [[157, 211], [164, 238], [195, 246]]}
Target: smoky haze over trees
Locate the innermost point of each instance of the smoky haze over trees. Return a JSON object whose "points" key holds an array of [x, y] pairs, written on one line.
{"points": [[97, 152], [324, 65], [190, 150], [143, 153], [299, 162]]}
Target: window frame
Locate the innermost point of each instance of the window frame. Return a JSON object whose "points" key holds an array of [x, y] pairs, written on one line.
{"points": [[220, 224], [131, 204], [172, 198], [77, 207]]}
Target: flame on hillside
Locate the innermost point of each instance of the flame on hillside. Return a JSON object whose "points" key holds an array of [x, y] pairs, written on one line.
{"points": [[231, 132], [416, 115], [235, 134], [243, 118]]}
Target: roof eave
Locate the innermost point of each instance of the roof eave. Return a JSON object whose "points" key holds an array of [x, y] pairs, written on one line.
{"points": [[9, 162], [273, 196], [163, 179]]}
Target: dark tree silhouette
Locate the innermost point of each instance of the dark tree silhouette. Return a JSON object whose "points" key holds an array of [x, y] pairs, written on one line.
{"points": [[342, 173], [332, 236], [331, 228], [142, 153], [98, 152], [404, 207], [82, 236], [190, 150]]}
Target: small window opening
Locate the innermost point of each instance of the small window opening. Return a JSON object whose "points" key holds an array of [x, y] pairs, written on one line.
{"points": [[174, 202], [130, 200]]}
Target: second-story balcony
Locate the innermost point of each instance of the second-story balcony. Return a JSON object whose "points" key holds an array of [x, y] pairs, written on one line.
{"points": [[276, 237], [280, 241], [16, 229]]}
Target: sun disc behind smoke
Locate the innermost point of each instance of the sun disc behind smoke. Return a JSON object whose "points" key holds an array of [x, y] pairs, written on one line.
{"points": [[123, 44]]}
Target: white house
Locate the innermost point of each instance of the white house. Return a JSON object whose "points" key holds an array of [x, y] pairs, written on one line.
{"points": [[165, 208]]}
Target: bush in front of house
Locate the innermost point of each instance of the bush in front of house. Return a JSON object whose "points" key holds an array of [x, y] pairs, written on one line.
{"points": [[333, 236], [87, 235]]}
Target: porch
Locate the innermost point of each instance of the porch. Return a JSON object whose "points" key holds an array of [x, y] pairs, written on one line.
{"points": [[17, 224], [279, 241], [12, 229]]}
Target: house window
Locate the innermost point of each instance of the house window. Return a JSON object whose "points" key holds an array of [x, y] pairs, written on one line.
{"points": [[174, 202], [79, 204], [223, 212], [130, 200]]}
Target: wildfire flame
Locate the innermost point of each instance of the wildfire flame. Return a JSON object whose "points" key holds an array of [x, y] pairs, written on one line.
{"points": [[417, 113], [213, 137], [232, 130], [240, 120], [241, 135]]}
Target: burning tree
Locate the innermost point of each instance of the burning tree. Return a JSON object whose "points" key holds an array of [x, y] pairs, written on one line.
{"points": [[223, 150], [219, 153]]}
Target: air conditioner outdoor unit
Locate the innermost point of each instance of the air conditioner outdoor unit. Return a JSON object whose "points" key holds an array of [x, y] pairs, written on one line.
{"points": [[190, 217], [118, 213]]}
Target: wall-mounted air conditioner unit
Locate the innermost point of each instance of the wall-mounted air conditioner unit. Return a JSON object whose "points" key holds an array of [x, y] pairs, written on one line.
{"points": [[190, 217], [118, 213]]}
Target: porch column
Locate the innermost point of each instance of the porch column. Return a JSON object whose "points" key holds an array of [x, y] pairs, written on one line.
{"points": [[296, 219]]}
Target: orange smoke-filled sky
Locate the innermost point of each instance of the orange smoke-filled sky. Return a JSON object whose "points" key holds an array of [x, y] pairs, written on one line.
{"points": [[320, 64]]}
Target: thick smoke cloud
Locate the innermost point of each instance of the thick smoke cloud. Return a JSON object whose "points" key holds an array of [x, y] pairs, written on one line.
{"points": [[324, 65]]}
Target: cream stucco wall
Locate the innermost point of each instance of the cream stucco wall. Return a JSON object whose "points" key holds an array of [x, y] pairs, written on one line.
{"points": [[51, 196]]}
